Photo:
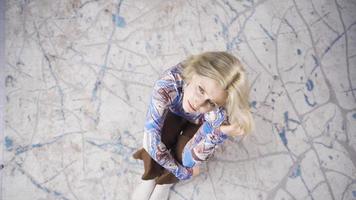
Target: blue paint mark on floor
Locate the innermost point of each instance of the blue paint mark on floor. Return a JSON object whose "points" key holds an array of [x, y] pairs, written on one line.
{"points": [[354, 115], [295, 172], [286, 118], [8, 143], [310, 85], [253, 104], [282, 135], [37, 145], [354, 193], [316, 61], [118, 20], [269, 35], [299, 51], [306, 98]]}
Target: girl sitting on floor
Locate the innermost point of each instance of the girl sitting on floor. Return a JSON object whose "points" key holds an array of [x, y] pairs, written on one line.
{"points": [[195, 106]]}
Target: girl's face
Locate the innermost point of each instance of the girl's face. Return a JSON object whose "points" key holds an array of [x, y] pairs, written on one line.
{"points": [[203, 94]]}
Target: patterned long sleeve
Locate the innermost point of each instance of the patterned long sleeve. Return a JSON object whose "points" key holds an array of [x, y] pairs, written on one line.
{"points": [[201, 147], [164, 94]]}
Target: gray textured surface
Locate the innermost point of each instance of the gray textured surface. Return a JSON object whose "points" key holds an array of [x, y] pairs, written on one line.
{"points": [[2, 87], [78, 76]]}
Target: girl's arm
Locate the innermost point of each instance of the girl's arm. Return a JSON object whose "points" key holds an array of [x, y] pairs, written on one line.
{"points": [[162, 97], [203, 144]]}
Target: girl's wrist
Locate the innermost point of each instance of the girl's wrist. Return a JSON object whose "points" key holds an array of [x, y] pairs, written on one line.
{"points": [[223, 130]]}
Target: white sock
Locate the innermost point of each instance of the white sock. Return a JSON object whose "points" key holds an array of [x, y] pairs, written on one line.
{"points": [[143, 190], [161, 192]]}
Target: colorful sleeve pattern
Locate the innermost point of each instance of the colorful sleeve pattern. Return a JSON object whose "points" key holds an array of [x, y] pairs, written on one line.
{"points": [[201, 147], [163, 95]]}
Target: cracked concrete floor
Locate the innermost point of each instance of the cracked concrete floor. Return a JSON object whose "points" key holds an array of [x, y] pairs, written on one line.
{"points": [[78, 75]]}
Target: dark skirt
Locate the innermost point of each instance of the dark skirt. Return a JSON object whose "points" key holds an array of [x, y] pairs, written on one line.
{"points": [[176, 132]]}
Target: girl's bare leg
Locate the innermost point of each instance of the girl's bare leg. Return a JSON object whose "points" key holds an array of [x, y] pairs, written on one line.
{"points": [[143, 190], [161, 192]]}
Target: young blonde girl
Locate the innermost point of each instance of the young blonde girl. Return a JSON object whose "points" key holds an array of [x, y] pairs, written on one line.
{"points": [[194, 106]]}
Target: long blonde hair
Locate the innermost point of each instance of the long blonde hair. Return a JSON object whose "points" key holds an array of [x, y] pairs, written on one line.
{"points": [[229, 72]]}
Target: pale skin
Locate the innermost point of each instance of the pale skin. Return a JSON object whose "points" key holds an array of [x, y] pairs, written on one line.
{"points": [[202, 95]]}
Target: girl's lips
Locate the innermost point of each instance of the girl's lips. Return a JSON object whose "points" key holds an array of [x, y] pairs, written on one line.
{"points": [[192, 107]]}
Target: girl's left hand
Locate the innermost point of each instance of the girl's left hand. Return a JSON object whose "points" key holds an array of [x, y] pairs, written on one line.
{"points": [[196, 170], [232, 129]]}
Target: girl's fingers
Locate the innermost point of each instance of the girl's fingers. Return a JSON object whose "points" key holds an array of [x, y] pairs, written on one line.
{"points": [[239, 131], [232, 130]]}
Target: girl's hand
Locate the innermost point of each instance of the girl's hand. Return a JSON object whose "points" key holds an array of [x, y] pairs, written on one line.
{"points": [[232, 129], [196, 171], [216, 117]]}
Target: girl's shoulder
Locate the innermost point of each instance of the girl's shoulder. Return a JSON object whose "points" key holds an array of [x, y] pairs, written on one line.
{"points": [[168, 88], [173, 73], [171, 77]]}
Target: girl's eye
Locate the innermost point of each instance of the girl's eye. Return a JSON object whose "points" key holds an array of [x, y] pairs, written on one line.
{"points": [[201, 90], [211, 104]]}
